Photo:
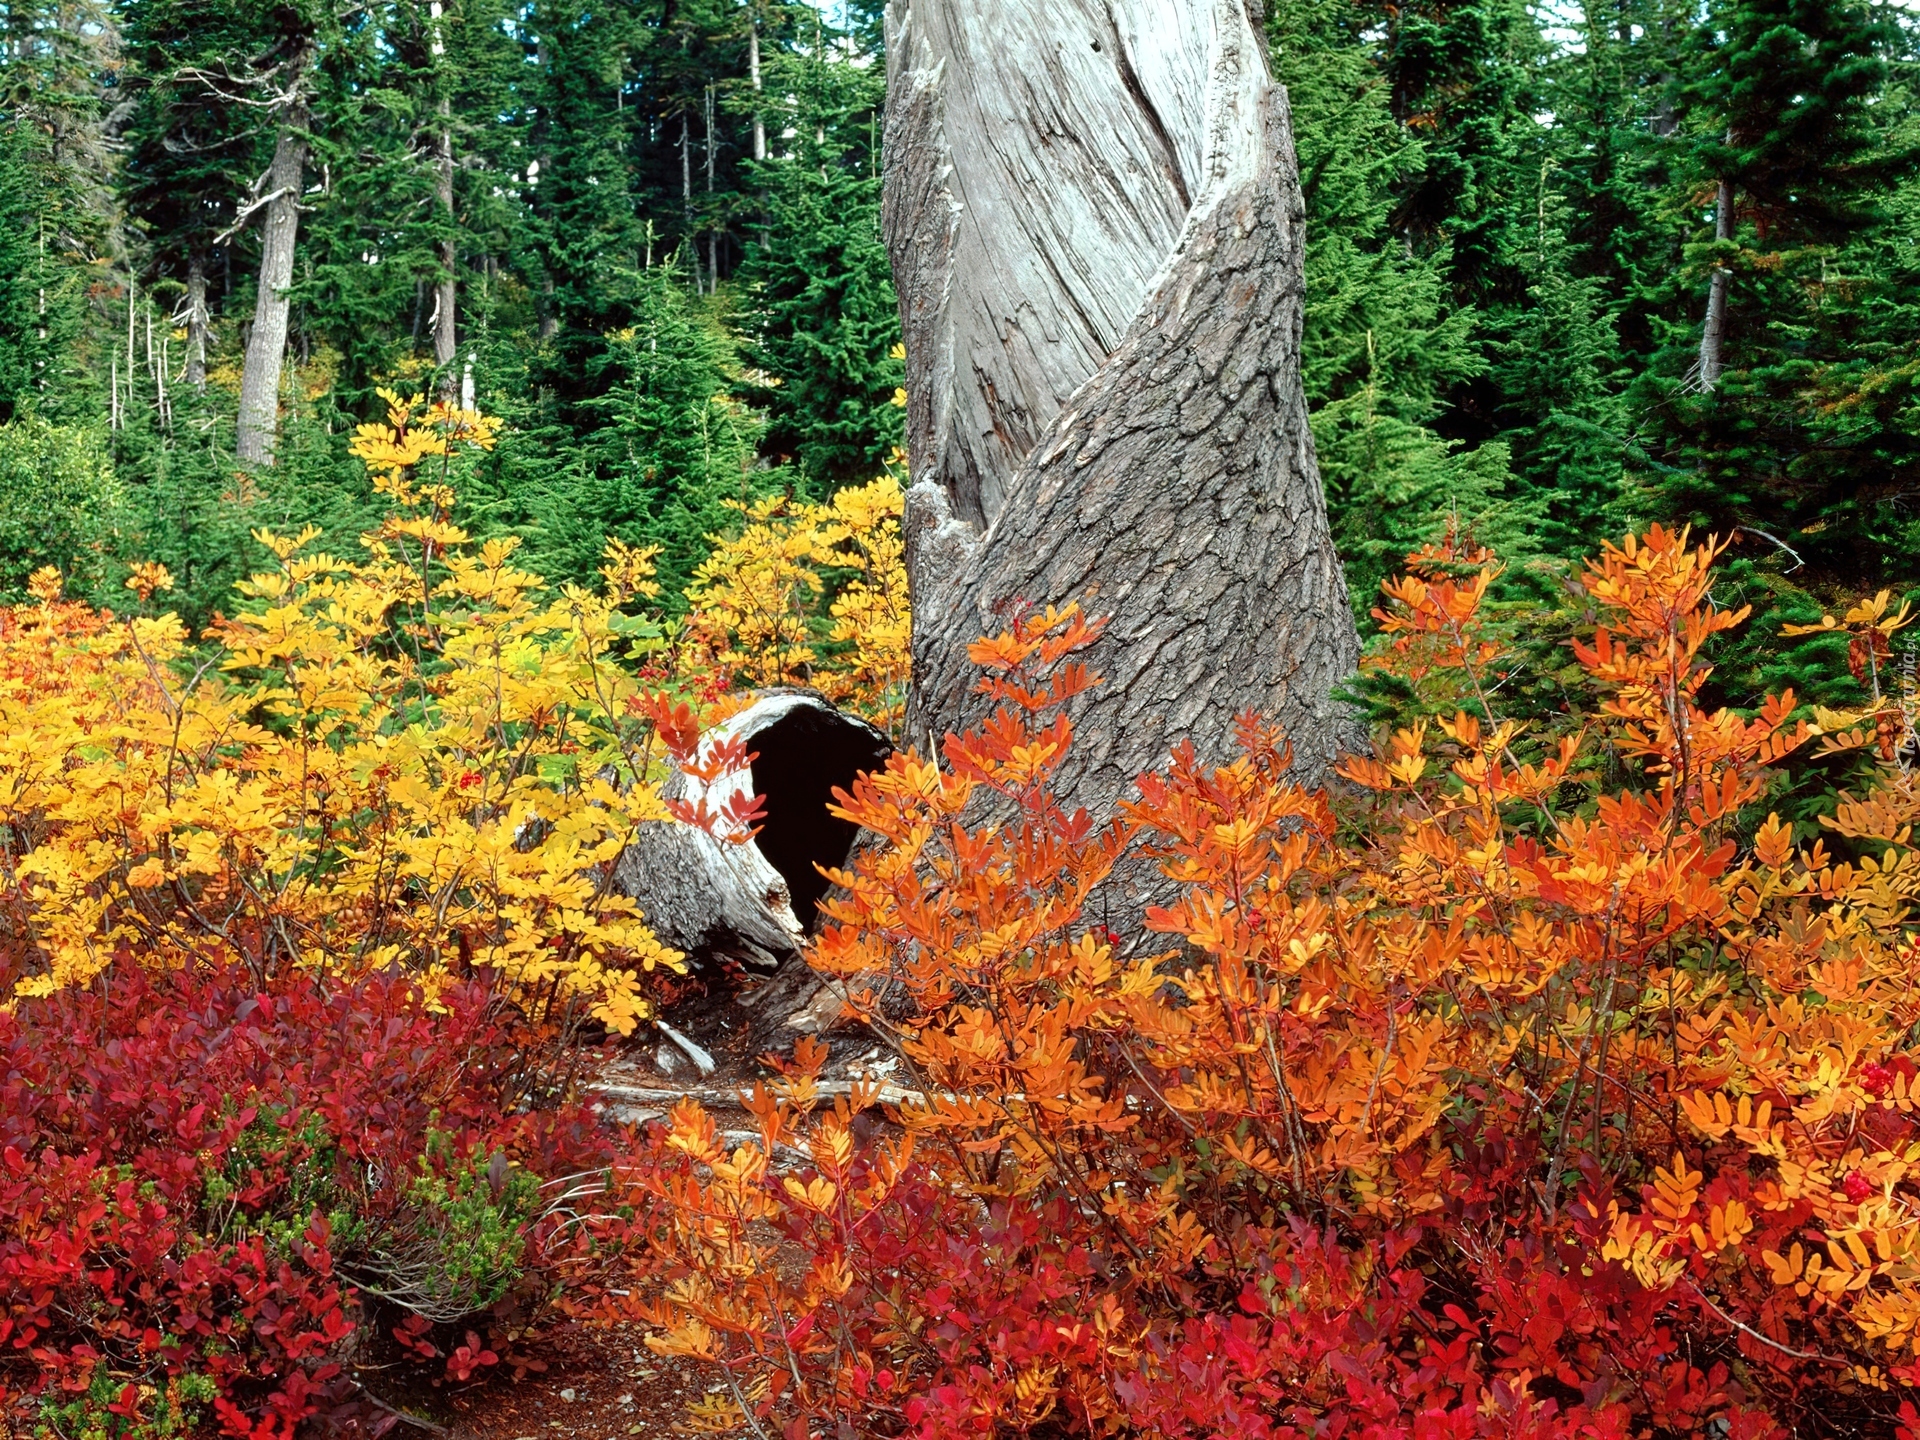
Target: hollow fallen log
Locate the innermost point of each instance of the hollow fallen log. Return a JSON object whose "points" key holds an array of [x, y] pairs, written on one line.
{"points": [[754, 900]]}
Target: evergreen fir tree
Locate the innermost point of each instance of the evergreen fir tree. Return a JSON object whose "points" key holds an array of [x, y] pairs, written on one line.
{"points": [[1382, 344], [192, 153], [1556, 375], [41, 282], [1758, 421], [670, 444], [824, 317]]}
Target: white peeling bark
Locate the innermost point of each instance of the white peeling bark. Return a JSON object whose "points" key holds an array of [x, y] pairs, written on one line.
{"points": [[1097, 233]]}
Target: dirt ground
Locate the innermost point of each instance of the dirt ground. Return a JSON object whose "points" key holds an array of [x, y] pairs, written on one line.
{"points": [[605, 1384], [602, 1385]]}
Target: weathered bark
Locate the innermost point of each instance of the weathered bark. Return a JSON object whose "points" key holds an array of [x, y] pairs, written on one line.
{"points": [[267, 340], [1097, 232], [446, 290], [759, 120], [446, 295], [713, 232], [198, 324], [753, 76], [1713, 332], [686, 199], [756, 901]]}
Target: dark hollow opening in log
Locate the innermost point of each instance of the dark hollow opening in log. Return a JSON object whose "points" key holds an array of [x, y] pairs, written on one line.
{"points": [[799, 760]]}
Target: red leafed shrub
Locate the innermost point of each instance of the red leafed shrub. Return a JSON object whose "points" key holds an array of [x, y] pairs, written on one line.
{"points": [[207, 1189]]}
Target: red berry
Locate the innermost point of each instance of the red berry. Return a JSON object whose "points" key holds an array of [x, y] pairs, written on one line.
{"points": [[1875, 1079], [1857, 1186]]}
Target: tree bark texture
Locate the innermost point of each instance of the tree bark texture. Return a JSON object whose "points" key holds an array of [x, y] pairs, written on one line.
{"points": [[267, 340], [753, 76], [198, 324], [1097, 232], [1713, 332], [446, 292]]}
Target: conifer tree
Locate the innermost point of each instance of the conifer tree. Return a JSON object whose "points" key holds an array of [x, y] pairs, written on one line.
{"points": [[1511, 253], [824, 319], [192, 151], [1555, 371], [584, 237], [1787, 148], [41, 281], [1383, 343], [669, 444]]}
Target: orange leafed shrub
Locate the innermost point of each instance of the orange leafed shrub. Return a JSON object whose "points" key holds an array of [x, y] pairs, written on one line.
{"points": [[1485, 1099]]}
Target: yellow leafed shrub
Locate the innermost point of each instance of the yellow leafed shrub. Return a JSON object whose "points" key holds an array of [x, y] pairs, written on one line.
{"points": [[419, 756], [757, 599]]}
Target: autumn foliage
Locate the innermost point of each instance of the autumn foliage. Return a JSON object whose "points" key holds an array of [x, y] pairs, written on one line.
{"points": [[1539, 1081], [397, 759], [1500, 1101], [214, 1194], [810, 594], [305, 924]]}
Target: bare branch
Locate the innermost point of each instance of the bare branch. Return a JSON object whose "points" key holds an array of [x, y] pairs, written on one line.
{"points": [[1775, 539], [247, 213]]}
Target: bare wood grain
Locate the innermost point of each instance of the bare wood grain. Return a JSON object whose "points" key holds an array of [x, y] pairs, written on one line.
{"points": [[1097, 231]]}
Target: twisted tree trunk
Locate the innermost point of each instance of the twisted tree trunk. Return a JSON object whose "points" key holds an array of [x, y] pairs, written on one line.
{"points": [[1096, 226]]}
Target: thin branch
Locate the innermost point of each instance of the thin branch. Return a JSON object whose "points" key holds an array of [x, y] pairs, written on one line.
{"points": [[1767, 1340], [1775, 539], [404, 1417], [247, 213]]}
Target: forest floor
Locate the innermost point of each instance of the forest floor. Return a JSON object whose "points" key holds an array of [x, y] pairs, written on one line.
{"points": [[603, 1383]]}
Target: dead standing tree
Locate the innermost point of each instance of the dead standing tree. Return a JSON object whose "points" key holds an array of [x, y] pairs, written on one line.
{"points": [[259, 422], [275, 85], [1097, 231]]}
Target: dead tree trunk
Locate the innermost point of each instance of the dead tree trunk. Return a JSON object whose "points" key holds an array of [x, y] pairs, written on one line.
{"points": [[1096, 225], [267, 340], [753, 76], [446, 287], [445, 290], [756, 901]]}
